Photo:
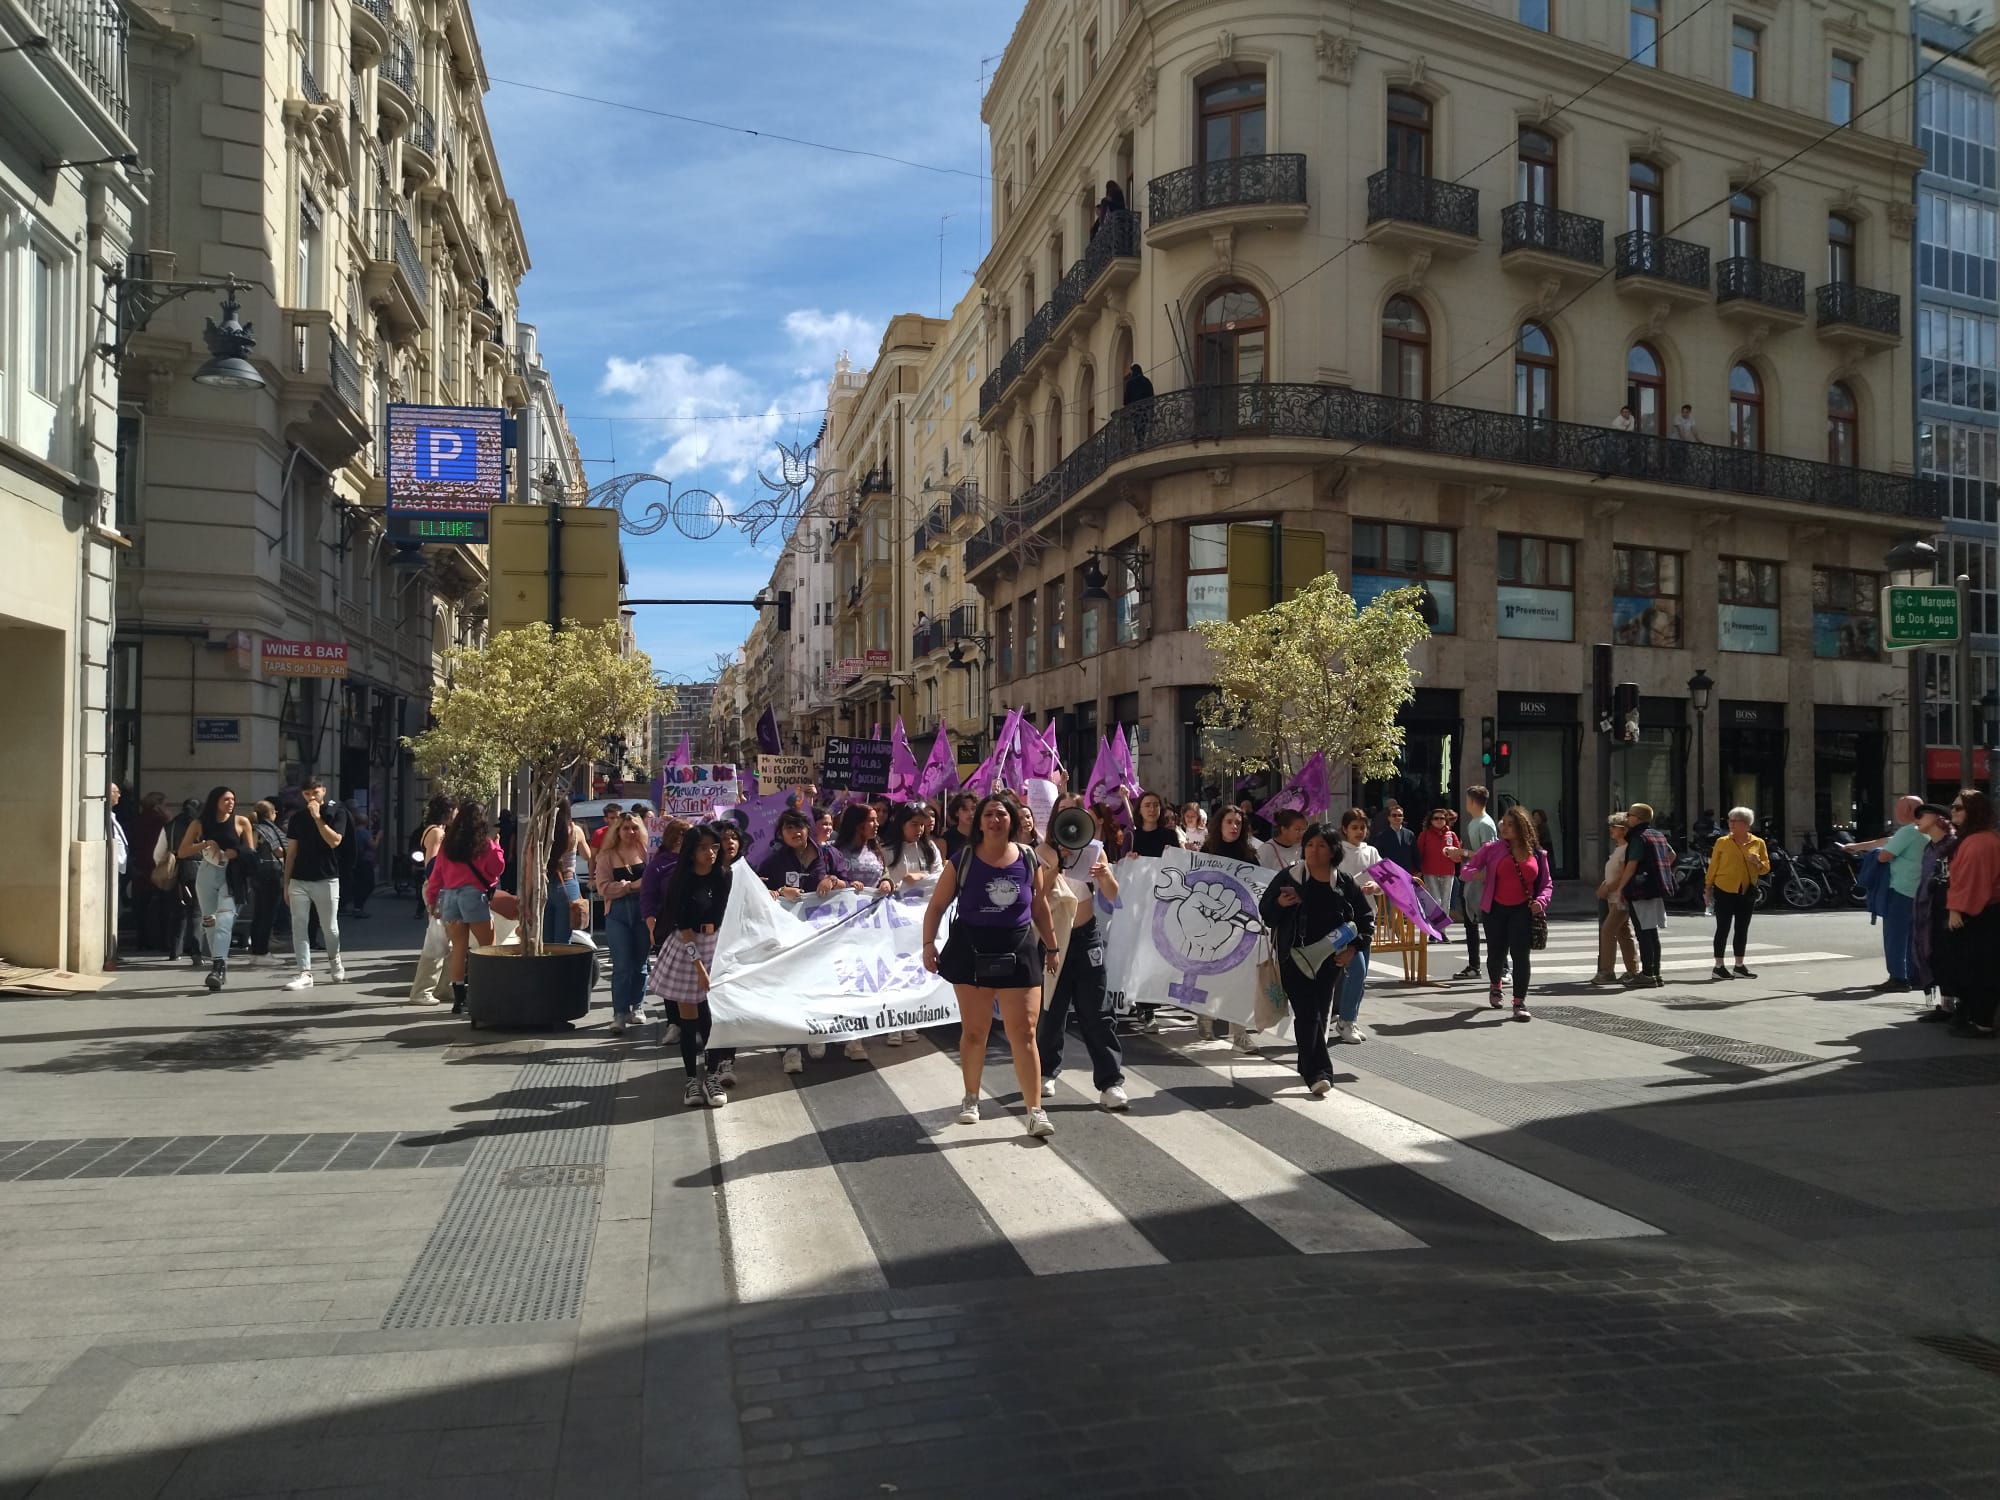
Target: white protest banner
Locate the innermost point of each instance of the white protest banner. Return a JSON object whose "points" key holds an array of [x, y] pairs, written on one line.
{"points": [[826, 968], [1191, 934], [696, 802]]}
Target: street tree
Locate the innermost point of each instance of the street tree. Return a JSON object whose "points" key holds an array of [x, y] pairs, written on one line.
{"points": [[546, 701], [1313, 673]]}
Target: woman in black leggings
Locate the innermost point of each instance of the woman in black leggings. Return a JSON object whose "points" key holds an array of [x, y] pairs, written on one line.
{"points": [[1738, 861]]}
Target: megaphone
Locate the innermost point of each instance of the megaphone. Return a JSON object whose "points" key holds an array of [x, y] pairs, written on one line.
{"points": [[1072, 828]]}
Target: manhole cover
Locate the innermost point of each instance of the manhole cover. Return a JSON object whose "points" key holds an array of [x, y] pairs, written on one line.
{"points": [[574, 1174]]}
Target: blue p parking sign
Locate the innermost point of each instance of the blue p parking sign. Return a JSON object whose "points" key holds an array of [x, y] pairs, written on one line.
{"points": [[447, 453]]}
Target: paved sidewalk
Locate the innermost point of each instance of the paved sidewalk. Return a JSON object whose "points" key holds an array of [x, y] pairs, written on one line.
{"points": [[324, 1244]]}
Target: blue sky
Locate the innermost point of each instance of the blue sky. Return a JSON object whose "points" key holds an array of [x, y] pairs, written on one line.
{"points": [[681, 271]]}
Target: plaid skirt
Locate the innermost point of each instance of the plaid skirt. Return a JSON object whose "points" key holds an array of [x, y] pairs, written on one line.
{"points": [[673, 980]]}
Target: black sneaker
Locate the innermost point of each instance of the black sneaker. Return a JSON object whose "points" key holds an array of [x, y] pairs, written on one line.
{"points": [[1470, 971], [1744, 971], [218, 975], [1719, 972], [1493, 996], [1935, 1015], [458, 998]]}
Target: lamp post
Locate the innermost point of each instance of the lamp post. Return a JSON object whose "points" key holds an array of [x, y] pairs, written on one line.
{"points": [[1912, 562], [1699, 687]]}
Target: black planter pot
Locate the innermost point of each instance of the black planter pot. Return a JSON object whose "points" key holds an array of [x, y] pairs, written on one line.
{"points": [[511, 990]]}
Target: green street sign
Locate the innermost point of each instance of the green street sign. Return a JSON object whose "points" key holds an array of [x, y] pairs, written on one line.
{"points": [[1926, 616]]}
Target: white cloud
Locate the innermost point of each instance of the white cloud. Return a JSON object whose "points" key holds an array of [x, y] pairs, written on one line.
{"points": [[818, 338]]}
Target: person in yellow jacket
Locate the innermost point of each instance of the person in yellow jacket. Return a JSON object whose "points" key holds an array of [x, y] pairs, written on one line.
{"points": [[1737, 862]]}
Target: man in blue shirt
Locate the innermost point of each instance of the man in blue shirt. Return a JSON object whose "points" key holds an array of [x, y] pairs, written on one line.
{"points": [[1903, 852]]}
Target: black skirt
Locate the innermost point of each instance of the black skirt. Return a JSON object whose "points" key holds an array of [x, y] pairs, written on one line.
{"points": [[955, 963]]}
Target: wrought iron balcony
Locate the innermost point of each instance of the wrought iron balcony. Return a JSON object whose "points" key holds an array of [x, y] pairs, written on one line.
{"points": [[399, 68], [309, 85], [1235, 182], [963, 624], [964, 498], [922, 643], [1334, 414], [1538, 227], [381, 10], [346, 372], [1117, 239], [397, 281], [1677, 262], [1844, 303], [1743, 278], [1428, 202], [423, 131], [91, 37], [932, 525]]}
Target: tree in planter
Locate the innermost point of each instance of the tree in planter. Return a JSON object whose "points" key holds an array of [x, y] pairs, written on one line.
{"points": [[546, 700], [1314, 673]]}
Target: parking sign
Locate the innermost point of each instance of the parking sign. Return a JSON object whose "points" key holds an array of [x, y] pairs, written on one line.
{"points": [[447, 467]]}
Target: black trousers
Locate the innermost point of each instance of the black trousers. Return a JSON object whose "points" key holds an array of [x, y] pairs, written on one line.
{"points": [[265, 899], [1509, 930], [1312, 1000], [1081, 985], [1649, 948], [1732, 910]]}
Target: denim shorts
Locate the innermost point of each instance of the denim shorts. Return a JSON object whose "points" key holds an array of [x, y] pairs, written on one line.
{"points": [[464, 903]]}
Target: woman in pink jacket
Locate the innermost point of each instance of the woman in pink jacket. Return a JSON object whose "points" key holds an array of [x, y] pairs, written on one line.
{"points": [[1516, 889], [461, 885]]}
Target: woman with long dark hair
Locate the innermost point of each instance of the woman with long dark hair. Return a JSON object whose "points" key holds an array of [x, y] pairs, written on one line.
{"points": [[567, 844], [991, 958], [691, 909], [958, 826], [1152, 834], [430, 834], [221, 839], [1515, 887], [468, 866], [1229, 834], [910, 856], [1317, 918]]}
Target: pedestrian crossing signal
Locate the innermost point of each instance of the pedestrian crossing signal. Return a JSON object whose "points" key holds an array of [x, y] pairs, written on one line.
{"points": [[1503, 754]]}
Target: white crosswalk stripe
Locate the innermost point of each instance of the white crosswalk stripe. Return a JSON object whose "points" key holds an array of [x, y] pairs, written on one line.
{"points": [[857, 1177], [1687, 950]]}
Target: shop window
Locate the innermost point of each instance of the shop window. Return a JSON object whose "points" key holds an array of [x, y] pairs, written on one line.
{"points": [[1645, 597], [1847, 614], [1391, 556], [1537, 589], [1746, 606], [1231, 567]]}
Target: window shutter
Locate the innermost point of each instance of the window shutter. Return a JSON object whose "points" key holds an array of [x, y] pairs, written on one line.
{"points": [[1249, 570], [1304, 559]]}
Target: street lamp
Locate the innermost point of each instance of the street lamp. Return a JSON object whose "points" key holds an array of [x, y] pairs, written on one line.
{"points": [[1699, 687], [229, 342]]}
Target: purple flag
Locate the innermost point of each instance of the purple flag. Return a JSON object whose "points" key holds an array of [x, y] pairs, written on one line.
{"points": [[684, 756], [1103, 784], [1121, 749], [1406, 896], [1306, 791], [768, 740], [760, 817], [1037, 759], [993, 770], [902, 763], [940, 772]]}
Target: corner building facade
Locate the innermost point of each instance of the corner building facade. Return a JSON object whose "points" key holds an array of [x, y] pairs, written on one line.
{"points": [[1392, 292]]}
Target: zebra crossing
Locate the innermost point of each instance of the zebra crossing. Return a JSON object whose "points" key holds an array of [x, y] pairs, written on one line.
{"points": [[855, 1178], [1687, 949]]}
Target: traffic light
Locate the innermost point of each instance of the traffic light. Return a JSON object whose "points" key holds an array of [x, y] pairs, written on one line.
{"points": [[1486, 741], [1625, 713], [784, 611], [1503, 755]]}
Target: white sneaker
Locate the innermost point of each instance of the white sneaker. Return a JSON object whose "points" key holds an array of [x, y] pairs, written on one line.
{"points": [[303, 980], [816, 1051], [893, 1039], [724, 1074], [1240, 1040], [1113, 1098], [855, 1052], [1039, 1124], [425, 999], [249, 961], [968, 1110], [794, 1061], [340, 973], [1347, 1031], [1321, 1087], [671, 1035], [1048, 1087]]}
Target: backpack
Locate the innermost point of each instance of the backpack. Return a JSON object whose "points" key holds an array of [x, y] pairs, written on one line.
{"points": [[270, 844], [1657, 872]]}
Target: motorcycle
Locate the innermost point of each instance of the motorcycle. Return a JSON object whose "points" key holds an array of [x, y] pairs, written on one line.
{"points": [[1789, 878], [1833, 869]]}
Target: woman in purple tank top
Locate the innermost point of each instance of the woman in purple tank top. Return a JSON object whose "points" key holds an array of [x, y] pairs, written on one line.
{"points": [[994, 954]]}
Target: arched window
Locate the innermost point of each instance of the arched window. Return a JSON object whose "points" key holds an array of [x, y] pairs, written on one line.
{"points": [[1535, 373], [1746, 409], [1535, 168], [1646, 389], [1840, 250], [1745, 226], [1406, 350], [1409, 133], [1843, 427], [1232, 119], [1643, 185], [1027, 454], [1088, 403], [1232, 339], [1055, 431]]}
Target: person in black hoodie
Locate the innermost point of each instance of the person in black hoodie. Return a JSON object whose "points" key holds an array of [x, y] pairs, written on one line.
{"points": [[1302, 906]]}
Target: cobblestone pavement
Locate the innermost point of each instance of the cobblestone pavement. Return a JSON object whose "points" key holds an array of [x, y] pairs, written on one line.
{"points": [[1716, 1239]]}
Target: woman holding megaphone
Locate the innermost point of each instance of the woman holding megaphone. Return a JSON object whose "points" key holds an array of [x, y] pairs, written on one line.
{"points": [[1078, 860]]}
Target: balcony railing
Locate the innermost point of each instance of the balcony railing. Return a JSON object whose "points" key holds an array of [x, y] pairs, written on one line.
{"points": [[1641, 253], [933, 524], [1536, 226], [424, 131], [381, 10], [923, 642], [1860, 307], [1743, 278], [345, 371], [400, 66], [309, 85], [394, 242], [1235, 181], [964, 623], [1336, 414], [1407, 198], [1116, 238], [91, 36], [964, 498]]}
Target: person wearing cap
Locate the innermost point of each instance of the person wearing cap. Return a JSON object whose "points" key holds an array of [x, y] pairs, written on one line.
{"points": [[1737, 862]]}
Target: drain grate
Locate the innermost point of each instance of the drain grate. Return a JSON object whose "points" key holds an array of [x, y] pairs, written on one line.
{"points": [[1676, 1039], [503, 1255], [1982, 1354]]}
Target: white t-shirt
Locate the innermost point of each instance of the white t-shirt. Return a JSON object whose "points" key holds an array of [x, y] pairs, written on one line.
{"points": [[912, 862], [1273, 855]]}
